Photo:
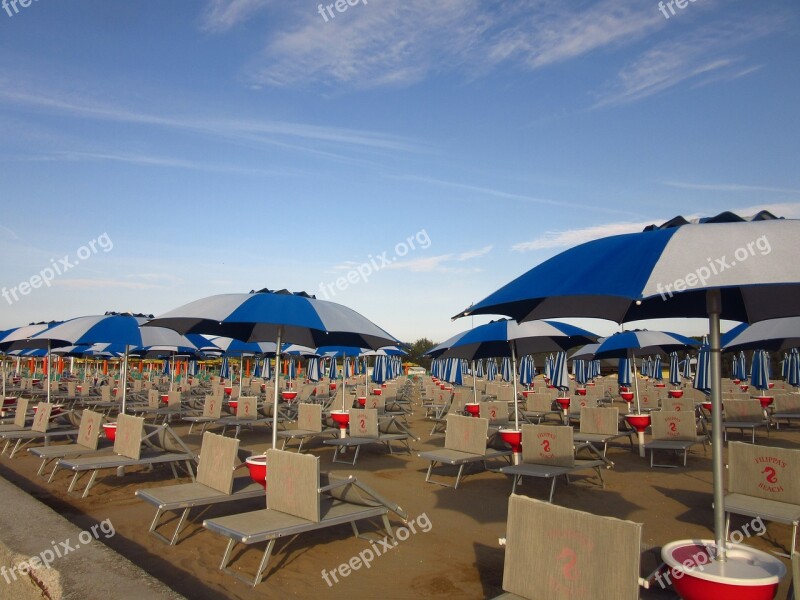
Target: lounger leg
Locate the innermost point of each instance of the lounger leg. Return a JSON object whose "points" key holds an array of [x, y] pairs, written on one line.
{"points": [[227, 554], [552, 490], [262, 567], [727, 524], [90, 483], [53, 473], [16, 447], [74, 480], [179, 527], [42, 466], [458, 477]]}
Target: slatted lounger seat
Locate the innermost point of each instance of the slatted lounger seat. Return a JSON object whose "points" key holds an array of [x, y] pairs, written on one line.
{"points": [[298, 501]]}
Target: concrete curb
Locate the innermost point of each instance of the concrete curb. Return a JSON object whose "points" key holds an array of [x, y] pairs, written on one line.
{"points": [[84, 571]]}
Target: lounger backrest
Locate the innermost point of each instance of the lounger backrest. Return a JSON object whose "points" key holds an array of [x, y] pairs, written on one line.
{"points": [[673, 425], [538, 404], [578, 403], [137, 385], [548, 445], [496, 411], [174, 399], [376, 402], [764, 472], [255, 386], [153, 398], [128, 440], [20, 413], [105, 393], [742, 410], [677, 404], [648, 400], [602, 421], [466, 434], [787, 404], [458, 403], [71, 389], [212, 407], [309, 417], [89, 430], [293, 484], [364, 423], [505, 393], [554, 553], [217, 461], [247, 407], [42, 417]]}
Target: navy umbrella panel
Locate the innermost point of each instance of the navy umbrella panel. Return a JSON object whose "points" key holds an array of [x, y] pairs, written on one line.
{"points": [[702, 376], [759, 377], [560, 379], [674, 371], [773, 335]]}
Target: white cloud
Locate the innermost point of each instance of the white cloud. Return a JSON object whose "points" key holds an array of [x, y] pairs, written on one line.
{"points": [[573, 237], [470, 254], [729, 187], [702, 56], [400, 42], [222, 15]]}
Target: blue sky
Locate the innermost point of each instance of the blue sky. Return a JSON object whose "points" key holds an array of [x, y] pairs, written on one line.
{"points": [[227, 145]]}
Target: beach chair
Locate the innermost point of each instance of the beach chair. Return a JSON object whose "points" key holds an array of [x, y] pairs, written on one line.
{"points": [[298, 501], [365, 429], [763, 482], [547, 452], [577, 404], [215, 484], [136, 444], [538, 407], [86, 442], [497, 413], [309, 426], [46, 427], [787, 407], [743, 414], [556, 553], [212, 411], [247, 415], [20, 417], [674, 431], [601, 426], [456, 408], [464, 445], [678, 404]]}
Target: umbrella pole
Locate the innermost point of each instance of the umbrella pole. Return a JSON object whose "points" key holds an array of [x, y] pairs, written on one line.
{"points": [[241, 359], [636, 385], [275, 388], [124, 379], [474, 384], [48, 371], [714, 308], [514, 379]]}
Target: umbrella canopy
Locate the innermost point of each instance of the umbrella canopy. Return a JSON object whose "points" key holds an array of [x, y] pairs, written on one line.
{"points": [[579, 371], [642, 342], [759, 377], [491, 369], [702, 376], [793, 370], [560, 378], [224, 369], [505, 370], [674, 372], [624, 378], [658, 370], [380, 371], [661, 273], [526, 370], [313, 371], [774, 335]]}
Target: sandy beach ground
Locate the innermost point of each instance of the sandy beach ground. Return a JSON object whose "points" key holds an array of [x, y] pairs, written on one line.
{"points": [[457, 557]]}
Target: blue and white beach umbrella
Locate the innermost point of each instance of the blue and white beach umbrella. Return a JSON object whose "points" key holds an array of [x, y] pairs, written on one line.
{"points": [[333, 370], [759, 377], [313, 371], [579, 370], [624, 378], [793, 372], [224, 369], [686, 371], [491, 369], [674, 372], [702, 377], [526, 371], [479, 372], [505, 369], [560, 378], [658, 370]]}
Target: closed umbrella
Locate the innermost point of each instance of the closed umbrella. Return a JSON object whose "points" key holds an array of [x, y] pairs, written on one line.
{"points": [[793, 372], [658, 370], [674, 372], [313, 372], [702, 376], [759, 377], [560, 379]]}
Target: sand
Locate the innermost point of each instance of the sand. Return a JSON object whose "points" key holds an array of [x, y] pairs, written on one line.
{"points": [[458, 557]]}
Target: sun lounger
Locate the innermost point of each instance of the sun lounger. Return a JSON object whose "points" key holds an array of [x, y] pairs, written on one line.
{"points": [[547, 452], [601, 426], [309, 426], [674, 431], [45, 427], [538, 407], [215, 484], [212, 411], [787, 407], [86, 443], [161, 446], [365, 429], [496, 411], [464, 444], [557, 553], [456, 407], [763, 482], [743, 414], [20, 417], [299, 501]]}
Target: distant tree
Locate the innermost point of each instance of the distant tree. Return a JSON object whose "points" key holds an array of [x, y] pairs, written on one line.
{"points": [[416, 351]]}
